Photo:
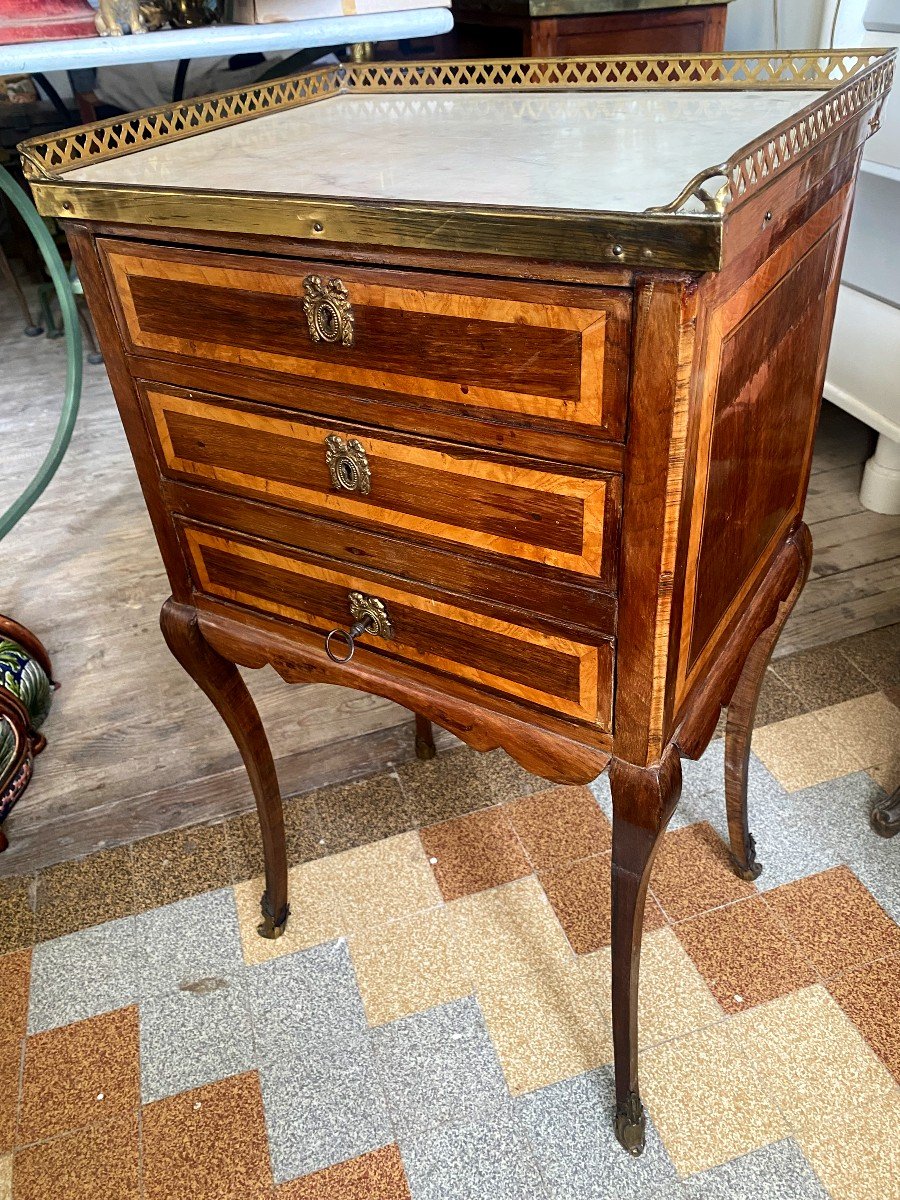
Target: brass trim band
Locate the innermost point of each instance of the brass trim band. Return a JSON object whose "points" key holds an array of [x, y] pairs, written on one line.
{"points": [[852, 81]]}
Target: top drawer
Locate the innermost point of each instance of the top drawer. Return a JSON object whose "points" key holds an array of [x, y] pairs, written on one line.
{"points": [[556, 356]]}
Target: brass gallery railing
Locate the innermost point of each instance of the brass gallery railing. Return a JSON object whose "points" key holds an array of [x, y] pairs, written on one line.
{"points": [[849, 79]]}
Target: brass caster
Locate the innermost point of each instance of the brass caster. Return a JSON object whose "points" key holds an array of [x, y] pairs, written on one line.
{"points": [[631, 1125], [425, 749], [269, 927], [750, 869]]}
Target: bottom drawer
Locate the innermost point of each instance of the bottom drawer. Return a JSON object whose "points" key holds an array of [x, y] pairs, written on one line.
{"points": [[554, 672]]}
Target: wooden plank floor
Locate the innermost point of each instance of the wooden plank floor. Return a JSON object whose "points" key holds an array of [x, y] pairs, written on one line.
{"points": [[134, 749]]}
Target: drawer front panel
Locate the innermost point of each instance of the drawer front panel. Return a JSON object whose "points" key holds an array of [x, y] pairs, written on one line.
{"points": [[554, 672], [522, 512], [525, 350]]}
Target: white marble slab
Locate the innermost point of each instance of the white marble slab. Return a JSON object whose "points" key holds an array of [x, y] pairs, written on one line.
{"points": [[615, 151]]}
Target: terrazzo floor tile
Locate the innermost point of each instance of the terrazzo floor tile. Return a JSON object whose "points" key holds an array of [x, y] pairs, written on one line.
{"points": [[367, 810], [97, 1163], [409, 965], [488, 1158], [545, 1027], [674, 998], [870, 996], [692, 873], [867, 729], [79, 1075], [16, 914], [305, 1003], [777, 701], [383, 881], [856, 1152], [835, 920], [378, 1175], [193, 1036], [802, 752], [187, 942], [580, 895], [570, 1129], [323, 1109], [15, 972], [304, 839], [877, 654], [708, 1099], [88, 891], [472, 853], [790, 840], [706, 777], [173, 866], [317, 914], [744, 954], [834, 817], [207, 1144], [874, 863], [821, 676], [450, 785], [82, 975], [10, 1075], [439, 1068], [15, 975], [507, 780], [559, 825], [508, 930], [776, 1172], [887, 774], [810, 1059]]}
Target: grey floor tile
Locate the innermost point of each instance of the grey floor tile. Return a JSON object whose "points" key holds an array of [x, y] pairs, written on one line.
{"points": [[777, 1172], [188, 941], [82, 975], [570, 1128], [305, 1002], [439, 1068], [600, 788], [486, 1160], [324, 1109], [195, 1036]]}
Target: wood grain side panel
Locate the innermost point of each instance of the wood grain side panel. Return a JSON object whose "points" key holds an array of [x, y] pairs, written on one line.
{"points": [[764, 348], [557, 673], [533, 514], [540, 352]]}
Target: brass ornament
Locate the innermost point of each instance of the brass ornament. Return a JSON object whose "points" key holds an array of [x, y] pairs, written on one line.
{"points": [[329, 312], [348, 465], [374, 612]]}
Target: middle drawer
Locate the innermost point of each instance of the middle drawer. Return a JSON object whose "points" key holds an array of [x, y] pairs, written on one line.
{"points": [[442, 493]]}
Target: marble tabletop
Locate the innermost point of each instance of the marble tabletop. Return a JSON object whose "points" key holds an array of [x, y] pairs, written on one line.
{"points": [[596, 151]]}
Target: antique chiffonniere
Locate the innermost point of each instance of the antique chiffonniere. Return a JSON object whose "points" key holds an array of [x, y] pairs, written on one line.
{"points": [[489, 388]]}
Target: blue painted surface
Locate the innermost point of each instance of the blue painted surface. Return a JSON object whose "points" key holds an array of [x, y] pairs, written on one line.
{"points": [[221, 41]]}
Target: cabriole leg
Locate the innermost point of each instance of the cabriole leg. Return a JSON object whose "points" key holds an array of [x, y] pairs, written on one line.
{"points": [[222, 683], [425, 747], [643, 801], [741, 716]]}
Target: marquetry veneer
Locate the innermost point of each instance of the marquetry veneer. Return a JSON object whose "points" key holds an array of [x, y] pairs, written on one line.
{"points": [[545, 445]]}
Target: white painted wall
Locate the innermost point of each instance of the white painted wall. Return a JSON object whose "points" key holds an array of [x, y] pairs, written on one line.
{"points": [[751, 24]]}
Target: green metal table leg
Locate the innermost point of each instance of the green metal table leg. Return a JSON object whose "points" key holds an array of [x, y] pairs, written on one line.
{"points": [[69, 412], [25, 679]]}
